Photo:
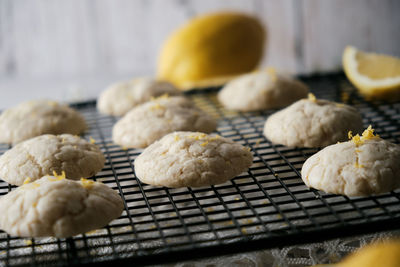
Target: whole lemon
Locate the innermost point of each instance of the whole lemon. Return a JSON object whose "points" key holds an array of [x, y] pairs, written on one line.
{"points": [[211, 46]]}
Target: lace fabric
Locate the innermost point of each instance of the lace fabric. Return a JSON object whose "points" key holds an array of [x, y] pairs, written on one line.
{"points": [[326, 252]]}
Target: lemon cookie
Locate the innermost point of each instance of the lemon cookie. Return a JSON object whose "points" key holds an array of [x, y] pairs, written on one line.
{"points": [[194, 159], [152, 120], [48, 153], [54, 206], [261, 90], [121, 97], [312, 123], [33, 118], [363, 166]]}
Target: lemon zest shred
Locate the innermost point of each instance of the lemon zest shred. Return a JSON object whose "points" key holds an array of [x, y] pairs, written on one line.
{"points": [[357, 165], [176, 137], [87, 183], [92, 140], [312, 97], [272, 73], [59, 176], [27, 180], [205, 143], [357, 140], [368, 134], [157, 106], [28, 242], [350, 134]]}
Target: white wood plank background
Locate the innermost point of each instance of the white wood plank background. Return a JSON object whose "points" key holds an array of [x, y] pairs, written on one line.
{"points": [[72, 49]]}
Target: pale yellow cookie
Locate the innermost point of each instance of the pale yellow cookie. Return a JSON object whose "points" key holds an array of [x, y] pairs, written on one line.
{"points": [[152, 120], [191, 159], [121, 97], [312, 123], [45, 154], [59, 207], [261, 90], [34, 118], [363, 166]]}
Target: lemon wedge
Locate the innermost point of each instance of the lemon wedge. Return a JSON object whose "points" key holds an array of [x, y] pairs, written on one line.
{"points": [[376, 76], [211, 49], [376, 254]]}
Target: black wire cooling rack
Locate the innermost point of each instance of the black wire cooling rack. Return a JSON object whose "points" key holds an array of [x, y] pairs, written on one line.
{"points": [[268, 206]]}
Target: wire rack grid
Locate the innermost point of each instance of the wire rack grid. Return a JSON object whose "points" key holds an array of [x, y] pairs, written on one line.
{"points": [[268, 206]]}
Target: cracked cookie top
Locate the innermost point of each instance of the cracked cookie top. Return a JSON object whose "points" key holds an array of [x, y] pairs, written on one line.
{"points": [[46, 154], [312, 123], [55, 206], [261, 90], [365, 165], [192, 159], [34, 118], [152, 120], [121, 97]]}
